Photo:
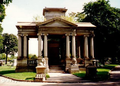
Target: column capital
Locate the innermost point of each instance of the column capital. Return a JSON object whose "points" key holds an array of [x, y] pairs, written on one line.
{"points": [[73, 34], [25, 34], [86, 35], [19, 34], [39, 34], [45, 34], [92, 35], [67, 34]]}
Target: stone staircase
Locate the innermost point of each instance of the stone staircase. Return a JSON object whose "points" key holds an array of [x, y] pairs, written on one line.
{"points": [[56, 69], [115, 73]]}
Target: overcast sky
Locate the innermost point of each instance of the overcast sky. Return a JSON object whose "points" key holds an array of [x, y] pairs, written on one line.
{"points": [[24, 10]]}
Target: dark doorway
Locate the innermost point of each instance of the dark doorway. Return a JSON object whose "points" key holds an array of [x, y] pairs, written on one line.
{"points": [[53, 53], [56, 54]]}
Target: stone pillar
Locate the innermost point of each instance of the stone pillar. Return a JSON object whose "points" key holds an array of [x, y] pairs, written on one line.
{"points": [[19, 46], [39, 46], [79, 52], [45, 46], [46, 52], [67, 46], [68, 59], [28, 48], [25, 45], [74, 61], [86, 46], [92, 47], [73, 46]]}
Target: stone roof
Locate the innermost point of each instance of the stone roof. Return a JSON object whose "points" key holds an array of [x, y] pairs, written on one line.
{"points": [[85, 24], [53, 9], [57, 19], [80, 24], [26, 23]]}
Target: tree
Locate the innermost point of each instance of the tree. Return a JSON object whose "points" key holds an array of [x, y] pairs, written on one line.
{"points": [[5, 2], [10, 44], [2, 56], [2, 8], [2, 16], [77, 16], [80, 16], [37, 18], [69, 18], [107, 20]]}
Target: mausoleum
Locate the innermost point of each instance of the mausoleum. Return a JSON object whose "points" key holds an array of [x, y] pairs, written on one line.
{"points": [[65, 44]]}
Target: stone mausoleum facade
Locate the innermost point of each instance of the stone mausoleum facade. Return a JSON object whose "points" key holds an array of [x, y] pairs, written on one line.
{"points": [[64, 43]]}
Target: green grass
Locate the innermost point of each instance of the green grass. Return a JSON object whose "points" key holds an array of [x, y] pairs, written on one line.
{"points": [[102, 73], [110, 66], [80, 74], [10, 72]]}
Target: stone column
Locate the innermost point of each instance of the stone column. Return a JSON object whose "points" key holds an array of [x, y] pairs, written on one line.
{"points": [[46, 52], [67, 46], [86, 46], [25, 45], [39, 46], [74, 61], [19, 46], [73, 46], [45, 46], [68, 59], [79, 52], [92, 46]]}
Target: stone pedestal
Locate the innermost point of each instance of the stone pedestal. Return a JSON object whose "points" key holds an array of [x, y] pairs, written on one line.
{"points": [[95, 62], [21, 65], [68, 63], [41, 75], [91, 71], [47, 66], [74, 68], [88, 62]]}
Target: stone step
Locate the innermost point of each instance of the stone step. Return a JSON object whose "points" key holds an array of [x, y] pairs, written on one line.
{"points": [[56, 69]]}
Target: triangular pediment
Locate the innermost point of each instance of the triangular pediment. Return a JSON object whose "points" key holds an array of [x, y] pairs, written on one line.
{"points": [[57, 22]]}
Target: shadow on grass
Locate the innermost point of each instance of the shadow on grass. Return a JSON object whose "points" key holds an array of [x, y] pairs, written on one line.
{"points": [[100, 76], [30, 78], [7, 72]]}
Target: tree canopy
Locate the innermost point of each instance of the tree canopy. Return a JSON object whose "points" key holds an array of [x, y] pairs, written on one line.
{"points": [[2, 16], [10, 44], [107, 20]]}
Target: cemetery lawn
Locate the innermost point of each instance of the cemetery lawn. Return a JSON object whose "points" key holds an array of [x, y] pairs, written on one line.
{"points": [[9, 71], [102, 73]]}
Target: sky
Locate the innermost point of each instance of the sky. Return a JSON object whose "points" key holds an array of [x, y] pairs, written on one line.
{"points": [[24, 10]]}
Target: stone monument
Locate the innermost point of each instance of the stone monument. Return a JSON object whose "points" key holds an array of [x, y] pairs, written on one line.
{"points": [[40, 70]]}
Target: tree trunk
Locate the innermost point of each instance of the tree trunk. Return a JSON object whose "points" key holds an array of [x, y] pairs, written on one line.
{"points": [[6, 58]]}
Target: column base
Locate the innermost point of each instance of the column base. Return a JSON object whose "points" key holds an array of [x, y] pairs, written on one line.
{"points": [[79, 60], [68, 63], [47, 66], [74, 68], [19, 57], [22, 66]]}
